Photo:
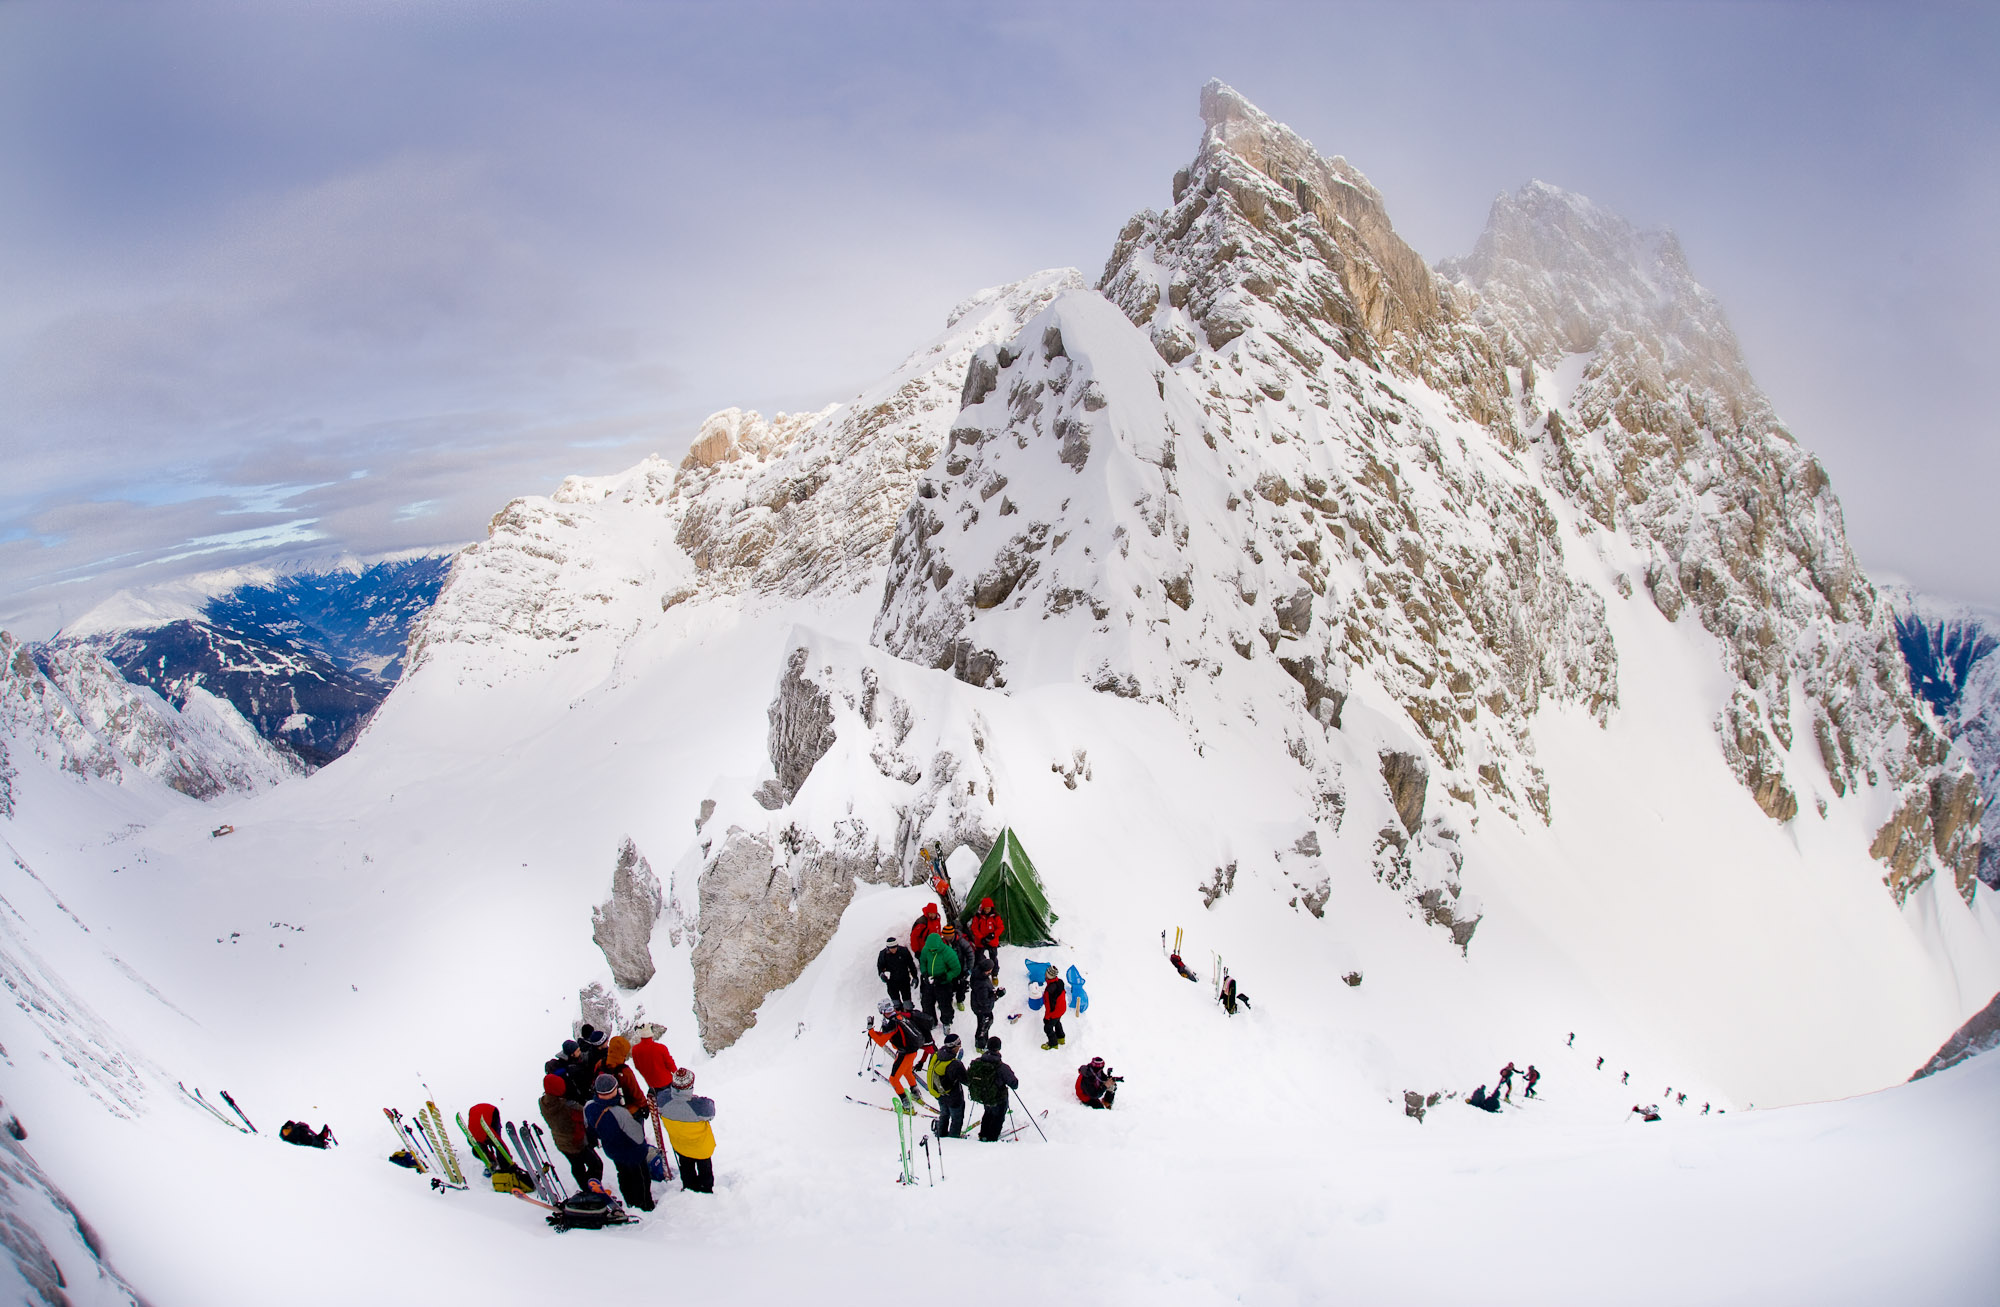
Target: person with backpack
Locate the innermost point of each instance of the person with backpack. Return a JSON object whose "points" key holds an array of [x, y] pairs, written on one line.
{"points": [[941, 969], [567, 1131], [926, 926], [1095, 1085], [686, 1116], [298, 1132], [963, 984], [610, 1125], [987, 1082], [897, 967], [986, 991], [1181, 967], [1054, 1004], [983, 930], [1229, 996], [945, 1078], [653, 1059], [1507, 1081], [905, 1039], [1529, 1080]]}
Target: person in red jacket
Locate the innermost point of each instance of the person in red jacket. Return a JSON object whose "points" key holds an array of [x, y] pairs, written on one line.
{"points": [[984, 929], [926, 926], [1054, 1003], [653, 1060]]}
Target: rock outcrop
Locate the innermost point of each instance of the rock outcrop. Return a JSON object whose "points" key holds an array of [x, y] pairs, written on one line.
{"points": [[1954, 660], [1979, 1034], [622, 925]]}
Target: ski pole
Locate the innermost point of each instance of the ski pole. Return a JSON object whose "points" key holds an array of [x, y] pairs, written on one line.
{"points": [[928, 1182], [1031, 1116], [868, 1051]]}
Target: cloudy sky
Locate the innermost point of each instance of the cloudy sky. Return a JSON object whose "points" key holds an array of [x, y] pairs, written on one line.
{"points": [[296, 278]]}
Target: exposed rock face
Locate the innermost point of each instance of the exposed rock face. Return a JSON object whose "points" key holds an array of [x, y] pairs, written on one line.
{"points": [[1663, 437], [204, 749], [35, 713], [1954, 660], [1407, 779], [1979, 1034], [772, 889], [622, 925], [800, 504], [41, 1231]]}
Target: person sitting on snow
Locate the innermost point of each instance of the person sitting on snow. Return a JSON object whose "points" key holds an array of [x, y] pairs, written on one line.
{"points": [[1095, 1085]]}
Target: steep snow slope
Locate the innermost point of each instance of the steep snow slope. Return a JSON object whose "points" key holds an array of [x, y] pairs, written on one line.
{"points": [[1204, 630]]}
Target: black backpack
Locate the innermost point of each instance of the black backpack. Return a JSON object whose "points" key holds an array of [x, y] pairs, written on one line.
{"points": [[982, 1081], [917, 1029], [586, 1211]]}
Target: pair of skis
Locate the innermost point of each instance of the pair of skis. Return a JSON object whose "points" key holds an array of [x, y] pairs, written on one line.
{"points": [[199, 1101]]}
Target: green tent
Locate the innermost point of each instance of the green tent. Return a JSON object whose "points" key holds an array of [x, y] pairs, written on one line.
{"points": [[1009, 879]]}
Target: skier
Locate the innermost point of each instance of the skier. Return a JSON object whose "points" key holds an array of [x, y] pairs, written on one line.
{"points": [[984, 928], [1507, 1081], [1600, 1064], [924, 927], [945, 1077], [900, 1036], [1680, 1100], [653, 1059], [986, 991], [567, 1132], [1704, 1109], [988, 1080], [941, 969], [1095, 1085], [1230, 997], [610, 1126], [897, 967], [298, 1132], [1530, 1079], [686, 1116], [1624, 1077], [1181, 967], [1054, 1004], [1572, 1039]]}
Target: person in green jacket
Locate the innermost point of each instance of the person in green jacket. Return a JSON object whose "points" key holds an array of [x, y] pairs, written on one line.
{"points": [[940, 966]]}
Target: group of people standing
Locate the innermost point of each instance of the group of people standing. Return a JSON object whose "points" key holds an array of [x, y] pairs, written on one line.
{"points": [[591, 1099]]}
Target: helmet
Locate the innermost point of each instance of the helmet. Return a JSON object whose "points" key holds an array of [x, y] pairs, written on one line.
{"points": [[885, 1007], [554, 1084], [683, 1077], [606, 1084]]}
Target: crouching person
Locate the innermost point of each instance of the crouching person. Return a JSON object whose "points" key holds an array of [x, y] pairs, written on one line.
{"points": [[686, 1116]]}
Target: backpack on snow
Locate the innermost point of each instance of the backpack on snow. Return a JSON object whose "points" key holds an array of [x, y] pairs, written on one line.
{"points": [[982, 1082], [587, 1211]]}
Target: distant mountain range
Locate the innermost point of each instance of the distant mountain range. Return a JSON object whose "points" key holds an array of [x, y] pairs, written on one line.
{"points": [[305, 657]]}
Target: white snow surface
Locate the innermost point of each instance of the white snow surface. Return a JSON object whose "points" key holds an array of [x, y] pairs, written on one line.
{"points": [[419, 911]]}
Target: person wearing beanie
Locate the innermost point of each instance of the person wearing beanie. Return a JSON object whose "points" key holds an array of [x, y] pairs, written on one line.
{"points": [[686, 1115], [941, 969], [610, 1125], [897, 967], [926, 926], [945, 1078], [653, 1060], [618, 1065], [566, 1130], [1095, 1085], [1054, 1004], [956, 939], [988, 1080], [983, 930]]}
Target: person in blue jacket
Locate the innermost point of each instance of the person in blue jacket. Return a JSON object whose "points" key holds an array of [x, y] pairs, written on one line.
{"points": [[610, 1125]]}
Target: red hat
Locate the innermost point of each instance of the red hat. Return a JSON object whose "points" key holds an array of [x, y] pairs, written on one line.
{"points": [[986, 903], [554, 1084], [930, 909]]}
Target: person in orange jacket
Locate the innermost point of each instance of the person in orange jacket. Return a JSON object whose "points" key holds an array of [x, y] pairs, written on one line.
{"points": [[905, 1041], [618, 1065], [653, 1060], [926, 926]]}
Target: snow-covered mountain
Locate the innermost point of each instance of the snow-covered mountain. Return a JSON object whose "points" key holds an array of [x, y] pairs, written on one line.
{"points": [[1462, 656], [304, 654], [1951, 654]]}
